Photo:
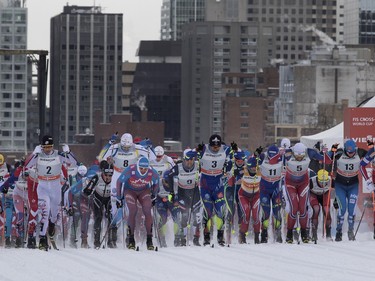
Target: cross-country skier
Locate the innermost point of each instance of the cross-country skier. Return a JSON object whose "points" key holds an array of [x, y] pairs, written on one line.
{"points": [[346, 170], [138, 183], [121, 155], [184, 180], [49, 165], [161, 164], [213, 157]]}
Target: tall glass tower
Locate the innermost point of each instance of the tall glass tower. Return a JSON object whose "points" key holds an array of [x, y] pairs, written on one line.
{"points": [[175, 13]]}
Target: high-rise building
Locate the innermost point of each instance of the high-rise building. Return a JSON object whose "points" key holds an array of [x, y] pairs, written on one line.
{"points": [[359, 23], [15, 77], [175, 13], [297, 24], [86, 62], [156, 85], [210, 49]]}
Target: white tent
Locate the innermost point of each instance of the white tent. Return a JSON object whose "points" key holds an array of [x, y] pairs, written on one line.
{"points": [[332, 135], [328, 137]]}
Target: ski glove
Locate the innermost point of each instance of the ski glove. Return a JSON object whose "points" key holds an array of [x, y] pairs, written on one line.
{"points": [[334, 147], [37, 149], [113, 139], [369, 185], [5, 190], [69, 211], [234, 146], [119, 203], [65, 148], [258, 151], [88, 190], [200, 147], [153, 199]]}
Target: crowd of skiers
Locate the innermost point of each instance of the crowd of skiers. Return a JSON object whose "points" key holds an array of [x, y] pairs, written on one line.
{"points": [[214, 188]]}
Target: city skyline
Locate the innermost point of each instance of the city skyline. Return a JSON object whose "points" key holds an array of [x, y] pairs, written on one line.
{"points": [[136, 26]]}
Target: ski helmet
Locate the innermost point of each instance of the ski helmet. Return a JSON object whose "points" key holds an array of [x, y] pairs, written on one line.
{"points": [[189, 154], [47, 141], [272, 151], [82, 170], [215, 140], [239, 155], [1, 159], [285, 143], [350, 146], [299, 149], [159, 151], [106, 167], [323, 178], [126, 140]]}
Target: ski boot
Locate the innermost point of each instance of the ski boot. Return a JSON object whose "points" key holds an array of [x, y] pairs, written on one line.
{"points": [[84, 243], [256, 238], [264, 236], [19, 242], [374, 231], [177, 241], [338, 236], [242, 238], [314, 234], [220, 237], [8, 243], [196, 241], [305, 236], [1, 240], [351, 235], [328, 233], [31, 242], [150, 245], [207, 239], [131, 242], [112, 237], [183, 241], [43, 244], [289, 236], [51, 229], [278, 235]]}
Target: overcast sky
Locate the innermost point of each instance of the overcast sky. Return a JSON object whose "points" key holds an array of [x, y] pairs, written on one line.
{"points": [[141, 21]]}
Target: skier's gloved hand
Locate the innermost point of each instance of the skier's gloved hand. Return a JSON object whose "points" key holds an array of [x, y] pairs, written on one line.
{"points": [[88, 190], [5, 190], [37, 149], [369, 185], [69, 211], [66, 148], [119, 203], [370, 143], [153, 199], [335, 204], [199, 147], [334, 147], [171, 197], [113, 139], [234, 146], [258, 151], [1, 210]]}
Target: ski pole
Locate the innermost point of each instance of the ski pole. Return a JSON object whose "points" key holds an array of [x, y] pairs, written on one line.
{"points": [[359, 224], [109, 225]]}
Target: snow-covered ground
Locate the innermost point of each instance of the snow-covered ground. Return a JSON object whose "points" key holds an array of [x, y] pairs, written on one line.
{"points": [[341, 261]]}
